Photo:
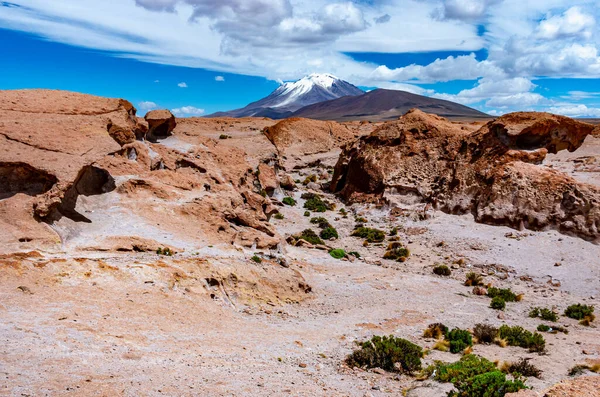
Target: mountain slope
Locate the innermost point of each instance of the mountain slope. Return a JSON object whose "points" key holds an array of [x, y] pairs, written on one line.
{"points": [[383, 104], [292, 96]]}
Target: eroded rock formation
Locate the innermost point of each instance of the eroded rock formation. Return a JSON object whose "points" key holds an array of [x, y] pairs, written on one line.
{"points": [[495, 173]]}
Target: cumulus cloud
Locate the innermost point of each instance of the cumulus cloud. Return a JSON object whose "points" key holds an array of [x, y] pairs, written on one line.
{"points": [[188, 111], [147, 105], [463, 10], [219, 78], [183, 84], [575, 111], [572, 23]]}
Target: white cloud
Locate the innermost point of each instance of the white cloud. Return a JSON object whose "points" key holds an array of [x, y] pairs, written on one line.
{"points": [[188, 111], [575, 111], [219, 78], [464, 10], [147, 105], [572, 23], [578, 95], [183, 84]]}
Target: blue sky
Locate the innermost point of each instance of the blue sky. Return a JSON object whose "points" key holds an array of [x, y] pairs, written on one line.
{"points": [[201, 56]]}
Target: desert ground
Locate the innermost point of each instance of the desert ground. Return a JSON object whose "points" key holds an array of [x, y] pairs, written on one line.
{"points": [[89, 308]]}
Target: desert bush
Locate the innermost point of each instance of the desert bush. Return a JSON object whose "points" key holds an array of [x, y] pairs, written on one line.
{"points": [[442, 345], [164, 251], [307, 213], [485, 333], [543, 328], [435, 331], [289, 201], [309, 179], [518, 336], [585, 313], [310, 236], [498, 303], [322, 222], [473, 279], [279, 216], [316, 204], [552, 329], [329, 233], [370, 235], [475, 376], [256, 259], [394, 231], [388, 353], [360, 219], [224, 136], [354, 254], [338, 253], [442, 270], [343, 211], [523, 368], [395, 251], [459, 340], [543, 313], [505, 293], [581, 368]]}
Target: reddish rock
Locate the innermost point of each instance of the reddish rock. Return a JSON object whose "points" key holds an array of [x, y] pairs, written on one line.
{"points": [[160, 124]]}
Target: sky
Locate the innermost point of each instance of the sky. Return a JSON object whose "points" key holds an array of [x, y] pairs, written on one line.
{"points": [[196, 57]]}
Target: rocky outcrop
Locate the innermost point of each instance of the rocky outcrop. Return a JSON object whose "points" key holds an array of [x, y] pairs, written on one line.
{"points": [[160, 124], [493, 173]]}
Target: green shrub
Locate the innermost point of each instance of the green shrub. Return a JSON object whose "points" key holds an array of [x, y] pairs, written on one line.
{"points": [[279, 215], [315, 203], [309, 179], [467, 367], [310, 236], [322, 222], [552, 329], [522, 368], [473, 279], [543, 313], [360, 219], [485, 333], [435, 331], [256, 259], [354, 254], [164, 251], [498, 303], [224, 136], [442, 270], [518, 336], [328, 233], [581, 312], [394, 232], [289, 201], [505, 293], [369, 234], [459, 340], [388, 353], [581, 368], [306, 213], [395, 251], [338, 253], [543, 328], [343, 211], [489, 384]]}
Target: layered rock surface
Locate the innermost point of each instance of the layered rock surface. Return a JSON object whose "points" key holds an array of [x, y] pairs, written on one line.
{"points": [[493, 173]]}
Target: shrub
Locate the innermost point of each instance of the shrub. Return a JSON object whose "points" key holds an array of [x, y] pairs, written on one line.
{"points": [[459, 340], [442, 270], [485, 333], [224, 136], [581, 312], [354, 254], [164, 251], [518, 336], [310, 236], [523, 368], [435, 331], [307, 213], [343, 211], [369, 234], [394, 232], [289, 201], [279, 215], [442, 345], [309, 179], [322, 222], [543, 328], [316, 204], [581, 368], [543, 313], [505, 293], [256, 259], [360, 219], [473, 279], [338, 253], [552, 329], [498, 303], [475, 376], [328, 233], [387, 353], [395, 251]]}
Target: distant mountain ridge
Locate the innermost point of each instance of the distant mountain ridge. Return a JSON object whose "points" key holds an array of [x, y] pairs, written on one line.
{"points": [[292, 96]]}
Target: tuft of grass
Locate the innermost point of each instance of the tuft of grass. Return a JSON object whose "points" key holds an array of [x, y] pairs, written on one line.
{"points": [[394, 231], [289, 201], [322, 222], [518, 336], [315, 203], [388, 353], [395, 251], [307, 213], [581, 368], [584, 313], [442, 270], [256, 259], [370, 235], [279, 216], [337, 253], [442, 345], [523, 368], [164, 251], [473, 280], [435, 331], [498, 303], [309, 179], [360, 219], [543, 313], [505, 293], [354, 254], [310, 236], [485, 333], [329, 233]]}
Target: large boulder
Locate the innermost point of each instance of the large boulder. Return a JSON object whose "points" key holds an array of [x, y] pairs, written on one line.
{"points": [[160, 124], [493, 173]]}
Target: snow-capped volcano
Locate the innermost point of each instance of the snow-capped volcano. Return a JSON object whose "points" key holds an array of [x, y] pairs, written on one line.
{"points": [[292, 96]]}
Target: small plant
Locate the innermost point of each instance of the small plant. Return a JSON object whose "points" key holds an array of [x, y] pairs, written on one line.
{"points": [[343, 212], [442, 270], [552, 329], [581, 368], [498, 303], [329, 233], [584, 313], [505, 293], [307, 213], [256, 259], [543, 313], [224, 136], [309, 179], [395, 251], [322, 222], [370, 235], [310, 236], [435, 331], [442, 345], [289, 201], [315, 203], [279, 216], [459, 340], [522, 368], [485, 333], [388, 353], [360, 219], [337, 253], [354, 254], [164, 251], [394, 232], [543, 328], [518, 336], [473, 280]]}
